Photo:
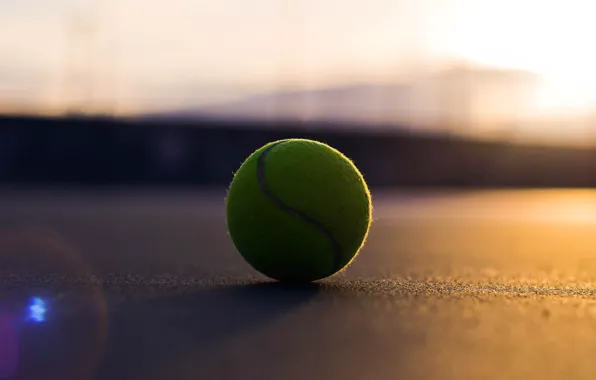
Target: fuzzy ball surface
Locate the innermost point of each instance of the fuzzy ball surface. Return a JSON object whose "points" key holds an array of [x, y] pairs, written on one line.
{"points": [[298, 210]]}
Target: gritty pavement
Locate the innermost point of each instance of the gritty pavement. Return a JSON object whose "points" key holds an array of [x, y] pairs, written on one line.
{"points": [[450, 285]]}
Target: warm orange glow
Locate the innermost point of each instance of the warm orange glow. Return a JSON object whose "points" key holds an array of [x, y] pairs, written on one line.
{"points": [[189, 54], [549, 38]]}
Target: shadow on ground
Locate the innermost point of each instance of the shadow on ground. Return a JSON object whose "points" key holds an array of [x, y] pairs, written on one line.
{"points": [[145, 336]]}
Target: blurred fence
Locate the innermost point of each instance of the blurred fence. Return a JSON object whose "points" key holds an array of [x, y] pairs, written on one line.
{"points": [[81, 152]]}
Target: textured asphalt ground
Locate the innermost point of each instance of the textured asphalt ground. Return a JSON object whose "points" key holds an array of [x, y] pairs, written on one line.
{"points": [[461, 285]]}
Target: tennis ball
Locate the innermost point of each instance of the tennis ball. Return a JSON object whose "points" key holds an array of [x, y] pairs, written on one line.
{"points": [[298, 210]]}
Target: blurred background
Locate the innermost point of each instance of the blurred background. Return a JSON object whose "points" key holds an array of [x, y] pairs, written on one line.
{"points": [[106, 96], [438, 93]]}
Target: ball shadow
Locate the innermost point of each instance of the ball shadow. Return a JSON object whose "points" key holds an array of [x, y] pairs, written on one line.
{"points": [[148, 334]]}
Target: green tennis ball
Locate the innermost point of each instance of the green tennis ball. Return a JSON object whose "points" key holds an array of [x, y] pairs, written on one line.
{"points": [[298, 210]]}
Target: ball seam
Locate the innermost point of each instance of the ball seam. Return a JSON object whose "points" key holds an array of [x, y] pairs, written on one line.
{"points": [[335, 246]]}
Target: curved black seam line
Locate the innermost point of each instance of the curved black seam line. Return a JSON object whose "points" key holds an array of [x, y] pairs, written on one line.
{"points": [[286, 208]]}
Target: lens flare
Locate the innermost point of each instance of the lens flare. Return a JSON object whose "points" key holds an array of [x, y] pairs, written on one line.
{"points": [[56, 310], [37, 310], [9, 346]]}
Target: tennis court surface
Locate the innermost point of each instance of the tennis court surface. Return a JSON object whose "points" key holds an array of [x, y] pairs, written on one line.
{"points": [[450, 285]]}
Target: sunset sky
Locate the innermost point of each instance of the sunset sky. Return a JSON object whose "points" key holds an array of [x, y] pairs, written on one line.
{"points": [[138, 55]]}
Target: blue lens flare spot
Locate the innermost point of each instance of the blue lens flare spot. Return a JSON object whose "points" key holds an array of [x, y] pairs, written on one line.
{"points": [[37, 309]]}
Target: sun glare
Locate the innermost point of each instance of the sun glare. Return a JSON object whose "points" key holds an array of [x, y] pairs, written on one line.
{"points": [[549, 38]]}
